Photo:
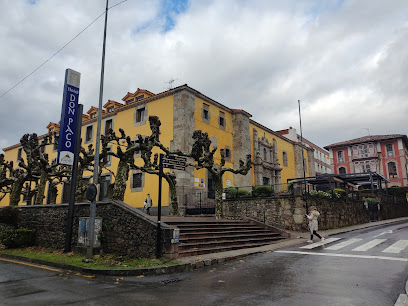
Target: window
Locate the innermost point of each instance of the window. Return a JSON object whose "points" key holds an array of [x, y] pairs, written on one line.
{"points": [[227, 153], [129, 101], [221, 121], [108, 125], [140, 113], [265, 181], [88, 133], [342, 170], [340, 156], [205, 113], [103, 189], [137, 180], [19, 152], [389, 149], [392, 170], [140, 98], [42, 149], [107, 158], [111, 109], [55, 143], [365, 167], [285, 158], [93, 115]]}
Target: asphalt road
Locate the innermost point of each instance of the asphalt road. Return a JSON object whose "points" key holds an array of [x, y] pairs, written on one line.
{"points": [[365, 267]]}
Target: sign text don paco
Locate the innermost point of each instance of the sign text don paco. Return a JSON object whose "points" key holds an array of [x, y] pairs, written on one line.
{"points": [[66, 141]]}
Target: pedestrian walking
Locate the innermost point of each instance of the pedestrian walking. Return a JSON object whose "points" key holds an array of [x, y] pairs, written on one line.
{"points": [[148, 203], [313, 224]]}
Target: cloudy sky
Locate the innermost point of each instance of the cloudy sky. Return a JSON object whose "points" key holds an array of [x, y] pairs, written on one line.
{"points": [[346, 60]]}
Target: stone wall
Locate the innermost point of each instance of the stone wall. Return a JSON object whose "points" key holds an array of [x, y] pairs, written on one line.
{"points": [[127, 231], [183, 129], [241, 142], [290, 210]]}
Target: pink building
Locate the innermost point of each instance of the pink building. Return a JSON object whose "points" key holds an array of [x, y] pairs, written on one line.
{"points": [[384, 154]]}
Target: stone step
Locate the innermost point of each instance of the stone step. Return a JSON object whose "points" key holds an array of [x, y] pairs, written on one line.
{"points": [[225, 242], [196, 251], [225, 237], [211, 229], [191, 234]]}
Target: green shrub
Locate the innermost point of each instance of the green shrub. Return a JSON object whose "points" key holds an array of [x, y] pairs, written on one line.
{"points": [[9, 215], [371, 200], [242, 193], [231, 192], [339, 193], [17, 238], [263, 191]]}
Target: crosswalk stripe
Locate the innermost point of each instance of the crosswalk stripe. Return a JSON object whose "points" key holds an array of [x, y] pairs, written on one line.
{"points": [[343, 244], [320, 243], [344, 255], [369, 245], [397, 247]]}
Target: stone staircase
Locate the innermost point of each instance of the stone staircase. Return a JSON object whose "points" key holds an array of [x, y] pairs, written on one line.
{"points": [[205, 236]]}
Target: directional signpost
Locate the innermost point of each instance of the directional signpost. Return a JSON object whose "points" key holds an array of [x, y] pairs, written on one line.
{"points": [[171, 162], [174, 162]]}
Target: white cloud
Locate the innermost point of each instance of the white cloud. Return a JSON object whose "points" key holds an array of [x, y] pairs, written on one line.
{"points": [[345, 60]]}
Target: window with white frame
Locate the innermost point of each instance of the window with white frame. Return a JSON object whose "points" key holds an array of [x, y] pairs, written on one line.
{"points": [[221, 121], [140, 115], [88, 133], [390, 150], [205, 113], [392, 170], [340, 156], [136, 181], [108, 125]]}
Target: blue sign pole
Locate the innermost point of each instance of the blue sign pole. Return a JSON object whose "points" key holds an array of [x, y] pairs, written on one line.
{"points": [[68, 126]]}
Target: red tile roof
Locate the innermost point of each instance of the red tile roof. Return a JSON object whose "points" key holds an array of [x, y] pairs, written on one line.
{"points": [[371, 138]]}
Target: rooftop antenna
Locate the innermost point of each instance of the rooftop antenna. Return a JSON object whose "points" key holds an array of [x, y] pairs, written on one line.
{"points": [[368, 131], [170, 82]]}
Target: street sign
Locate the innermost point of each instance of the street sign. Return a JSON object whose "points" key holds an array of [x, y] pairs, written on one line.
{"points": [[174, 162], [68, 127]]}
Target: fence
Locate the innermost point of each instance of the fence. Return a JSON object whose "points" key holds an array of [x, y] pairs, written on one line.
{"points": [[199, 203]]}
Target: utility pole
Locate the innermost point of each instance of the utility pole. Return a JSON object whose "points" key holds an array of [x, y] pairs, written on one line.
{"points": [[303, 157], [92, 209]]}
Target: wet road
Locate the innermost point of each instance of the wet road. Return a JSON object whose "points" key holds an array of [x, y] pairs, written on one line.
{"points": [[366, 267]]}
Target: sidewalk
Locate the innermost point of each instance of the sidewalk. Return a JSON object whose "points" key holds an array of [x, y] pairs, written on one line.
{"points": [[196, 262]]}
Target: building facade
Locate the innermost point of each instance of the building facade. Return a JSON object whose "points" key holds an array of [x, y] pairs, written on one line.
{"points": [[183, 110], [384, 154], [320, 155]]}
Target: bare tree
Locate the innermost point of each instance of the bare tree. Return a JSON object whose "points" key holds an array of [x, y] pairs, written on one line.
{"points": [[204, 158]]}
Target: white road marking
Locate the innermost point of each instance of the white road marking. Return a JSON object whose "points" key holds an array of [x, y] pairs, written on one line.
{"points": [[397, 247], [402, 300], [383, 233], [320, 243], [369, 245], [345, 255], [343, 244]]}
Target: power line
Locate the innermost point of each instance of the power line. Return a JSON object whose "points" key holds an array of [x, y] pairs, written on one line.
{"points": [[58, 51]]}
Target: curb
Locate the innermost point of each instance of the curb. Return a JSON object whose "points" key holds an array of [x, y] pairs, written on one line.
{"points": [[185, 267]]}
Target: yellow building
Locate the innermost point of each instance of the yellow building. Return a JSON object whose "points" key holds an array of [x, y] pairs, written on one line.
{"points": [[183, 110]]}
